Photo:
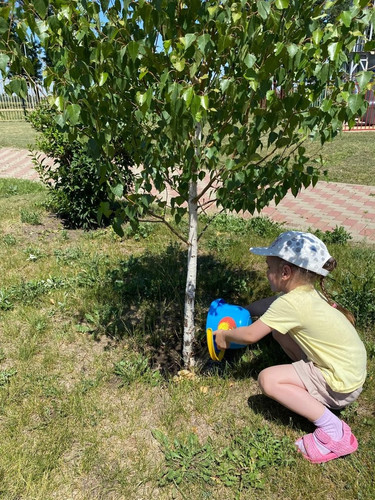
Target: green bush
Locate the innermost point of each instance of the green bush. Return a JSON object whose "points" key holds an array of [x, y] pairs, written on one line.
{"points": [[73, 179]]}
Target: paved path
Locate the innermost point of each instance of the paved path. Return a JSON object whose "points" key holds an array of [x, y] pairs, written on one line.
{"points": [[327, 205]]}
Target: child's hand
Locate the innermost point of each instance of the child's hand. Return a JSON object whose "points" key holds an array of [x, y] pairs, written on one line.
{"points": [[220, 339]]}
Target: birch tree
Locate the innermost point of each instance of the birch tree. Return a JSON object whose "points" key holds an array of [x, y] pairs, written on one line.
{"points": [[226, 91]]}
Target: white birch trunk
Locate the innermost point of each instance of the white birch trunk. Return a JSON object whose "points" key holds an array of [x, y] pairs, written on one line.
{"points": [[191, 279]]}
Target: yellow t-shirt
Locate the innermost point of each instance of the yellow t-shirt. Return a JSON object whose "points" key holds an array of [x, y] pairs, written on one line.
{"points": [[324, 334]]}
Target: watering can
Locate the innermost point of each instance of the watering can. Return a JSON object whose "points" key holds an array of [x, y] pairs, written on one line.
{"points": [[224, 316]]}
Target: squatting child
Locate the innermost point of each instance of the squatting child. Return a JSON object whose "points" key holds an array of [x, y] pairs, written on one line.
{"points": [[329, 359]]}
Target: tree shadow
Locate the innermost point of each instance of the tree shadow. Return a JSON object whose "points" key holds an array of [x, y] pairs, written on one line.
{"points": [[142, 299]]}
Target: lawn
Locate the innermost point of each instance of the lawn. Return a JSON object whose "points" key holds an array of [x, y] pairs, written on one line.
{"points": [[19, 135], [93, 402]]}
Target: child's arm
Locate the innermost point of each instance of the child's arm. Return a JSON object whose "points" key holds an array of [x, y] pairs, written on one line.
{"points": [[242, 335]]}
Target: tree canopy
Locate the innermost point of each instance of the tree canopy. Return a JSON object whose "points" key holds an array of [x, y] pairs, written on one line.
{"points": [[227, 91]]}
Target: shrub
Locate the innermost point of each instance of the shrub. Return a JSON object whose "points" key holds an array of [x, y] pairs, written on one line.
{"points": [[339, 235], [74, 181]]}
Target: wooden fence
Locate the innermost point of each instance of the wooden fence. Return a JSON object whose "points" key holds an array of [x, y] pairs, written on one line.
{"points": [[13, 108]]}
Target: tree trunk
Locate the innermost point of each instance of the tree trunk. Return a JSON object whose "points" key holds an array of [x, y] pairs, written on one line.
{"points": [[191, 278]]}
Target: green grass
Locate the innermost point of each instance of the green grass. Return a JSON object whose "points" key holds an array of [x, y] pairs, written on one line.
{"points": [[19, 135], [91, 402], [349, 157]]}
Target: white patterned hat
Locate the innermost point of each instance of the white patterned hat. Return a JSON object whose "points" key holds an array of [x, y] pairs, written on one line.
{"points": [[301, 249]]}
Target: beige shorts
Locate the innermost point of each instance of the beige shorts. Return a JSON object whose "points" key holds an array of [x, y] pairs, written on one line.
{"points": [[316, 385]]}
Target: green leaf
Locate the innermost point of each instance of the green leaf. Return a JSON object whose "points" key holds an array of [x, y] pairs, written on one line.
{"points": [[363, 78], [118, 190], [264, 8], [133, 48], [250, 60], [203, 42], [224, 84], [212, 10], [179, 64], [4, 26], [4, 59], [204, 102], [282, 4], [73, 112], [167, 45], [370, 45], [334, 50], [278, 48], [188, 39], [59, 103], [346, 18], [355, 102], [105, 209], [188, 96], [41, 7], [292, 49], [104, 4], [317, 36], [236, 16], [103, 79]]}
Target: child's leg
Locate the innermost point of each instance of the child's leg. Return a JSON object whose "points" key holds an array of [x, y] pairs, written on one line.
{"points": [[283, 384]]}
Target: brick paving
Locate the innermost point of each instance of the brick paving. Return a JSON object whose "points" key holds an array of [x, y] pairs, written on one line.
{"points": [[325, 206]]}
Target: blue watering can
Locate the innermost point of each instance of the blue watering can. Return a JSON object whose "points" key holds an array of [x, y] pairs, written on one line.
{"points": [[223, 316]]}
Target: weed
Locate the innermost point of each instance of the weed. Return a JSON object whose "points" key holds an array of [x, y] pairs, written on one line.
{"points": [[225, 222], [67, 255], [34, 253], [26, 292], [186, 461], [339, 235], [265, 227], [92, 322], [219, 244], [370, 349], [5, 300], [239, 465], [143, 231], [64, 235], [135, 368], [261, 226], [30, 217], [356, 293], [6, 375], [350, 412], [9, 240]]}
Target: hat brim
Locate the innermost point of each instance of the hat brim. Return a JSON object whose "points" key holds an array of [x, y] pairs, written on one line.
{"points": [[261, 251]]}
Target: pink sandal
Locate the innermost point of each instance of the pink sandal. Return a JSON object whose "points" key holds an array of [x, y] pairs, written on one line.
{"points": [[347, 444]]}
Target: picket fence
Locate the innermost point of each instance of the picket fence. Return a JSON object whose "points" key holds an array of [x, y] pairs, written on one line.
{"points": [[13, 108]]}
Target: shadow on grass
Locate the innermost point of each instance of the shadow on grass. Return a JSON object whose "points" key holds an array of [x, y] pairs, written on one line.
{"points": [[275, 412], [142, 299]]}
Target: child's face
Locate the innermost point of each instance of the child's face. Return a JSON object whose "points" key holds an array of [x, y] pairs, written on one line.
{"points": [[274, 274]]}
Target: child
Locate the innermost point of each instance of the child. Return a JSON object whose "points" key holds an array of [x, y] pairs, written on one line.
{"points": [[329, 359]]}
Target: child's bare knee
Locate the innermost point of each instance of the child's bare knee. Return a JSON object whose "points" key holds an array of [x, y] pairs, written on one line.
{"points": [[265, 382]]}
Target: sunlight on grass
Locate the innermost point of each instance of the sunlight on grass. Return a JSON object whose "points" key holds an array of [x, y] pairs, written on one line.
{"points": [[18, 135]]}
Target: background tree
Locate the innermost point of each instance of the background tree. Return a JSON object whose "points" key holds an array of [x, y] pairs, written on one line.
{"points": [[192, 89]]}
